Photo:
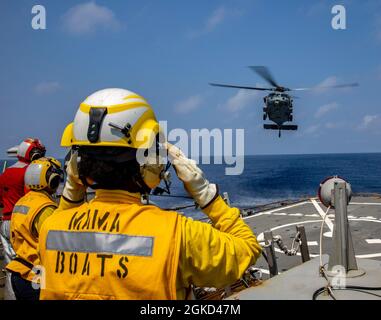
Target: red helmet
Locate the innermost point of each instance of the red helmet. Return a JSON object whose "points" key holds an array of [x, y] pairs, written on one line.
{"points": [[30, 149]]}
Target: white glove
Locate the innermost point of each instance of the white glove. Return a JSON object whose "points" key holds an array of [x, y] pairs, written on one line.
{"points": [[193, 178], [74, 190]]}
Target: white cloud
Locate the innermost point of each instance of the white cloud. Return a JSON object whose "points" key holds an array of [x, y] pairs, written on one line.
{"points": [[46, 87], [327, 83], [190, 104], [216, 18], [334, 125], [312, 129], [330, 81], [241, 100], [371, 123], [87, 17], [325, 109]]}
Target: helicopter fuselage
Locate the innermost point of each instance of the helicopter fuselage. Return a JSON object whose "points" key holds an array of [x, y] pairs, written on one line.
{"points": [[278, 107]]}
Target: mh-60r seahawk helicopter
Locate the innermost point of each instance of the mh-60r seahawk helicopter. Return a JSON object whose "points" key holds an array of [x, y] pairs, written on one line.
{"points": [[278, 104]]}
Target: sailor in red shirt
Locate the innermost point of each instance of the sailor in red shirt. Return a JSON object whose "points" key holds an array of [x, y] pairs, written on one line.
{"points": [[12, 188]]}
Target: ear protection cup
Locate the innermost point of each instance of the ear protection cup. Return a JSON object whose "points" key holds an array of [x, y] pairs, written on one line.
{"points": [[151, 175], [36, 153], [54, 181], [54, 176]]}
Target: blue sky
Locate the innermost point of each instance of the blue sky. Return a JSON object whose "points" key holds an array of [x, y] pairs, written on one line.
{"points": [[168, 51]]}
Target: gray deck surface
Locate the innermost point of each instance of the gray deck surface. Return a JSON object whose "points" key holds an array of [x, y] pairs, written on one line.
{"points": [[301, 282], [364, 215]]}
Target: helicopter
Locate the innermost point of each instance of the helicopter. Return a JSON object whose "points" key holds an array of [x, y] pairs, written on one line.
{"points": [[278, 104]]}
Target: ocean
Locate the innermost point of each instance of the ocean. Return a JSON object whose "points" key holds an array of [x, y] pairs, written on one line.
{"points": [[270, 178]]}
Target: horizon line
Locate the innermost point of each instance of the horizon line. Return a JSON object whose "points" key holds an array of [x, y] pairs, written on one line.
{"points": [[263, 154]]}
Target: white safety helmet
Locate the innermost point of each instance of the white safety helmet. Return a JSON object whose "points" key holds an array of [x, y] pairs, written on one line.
{"points": [[44, 174], [30, 149], [121, 119], [113, 118]]}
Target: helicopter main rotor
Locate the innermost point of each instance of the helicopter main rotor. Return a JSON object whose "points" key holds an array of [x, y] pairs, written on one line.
{"points": [[264, 72]]}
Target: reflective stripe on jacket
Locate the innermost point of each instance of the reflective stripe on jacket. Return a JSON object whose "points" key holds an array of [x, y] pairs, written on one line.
{"points": [[24, 241]]}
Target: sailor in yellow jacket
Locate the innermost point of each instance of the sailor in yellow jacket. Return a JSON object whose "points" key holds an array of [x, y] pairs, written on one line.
{"points": [[42, 178], [115, 247]]}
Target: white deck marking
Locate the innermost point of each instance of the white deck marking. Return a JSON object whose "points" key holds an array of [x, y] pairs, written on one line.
{"points": [[261, 238], [363, 203], [369, 217], [368, 256], [277, 209], [327, 221], [295, 214], [279, 214], [373, 241], [312, 215], [312, 243], [366, 203]]}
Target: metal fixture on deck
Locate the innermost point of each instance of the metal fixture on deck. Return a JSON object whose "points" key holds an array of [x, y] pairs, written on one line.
{"points": [[336, 193], [298, 244], [270, 253]]}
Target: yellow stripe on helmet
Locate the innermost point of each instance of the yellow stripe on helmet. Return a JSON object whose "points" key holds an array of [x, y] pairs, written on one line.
{"points": [[114, 108]]}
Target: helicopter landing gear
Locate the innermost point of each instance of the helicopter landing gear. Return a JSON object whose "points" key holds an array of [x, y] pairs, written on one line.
{"points": [[264, 113], [290, 118]]}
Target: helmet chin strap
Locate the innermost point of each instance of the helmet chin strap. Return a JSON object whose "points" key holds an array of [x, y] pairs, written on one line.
{"points": [[166, 177]]}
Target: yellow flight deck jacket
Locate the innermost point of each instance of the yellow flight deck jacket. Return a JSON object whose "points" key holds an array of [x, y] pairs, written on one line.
{"points": [[28, 215], [114, 247]]}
